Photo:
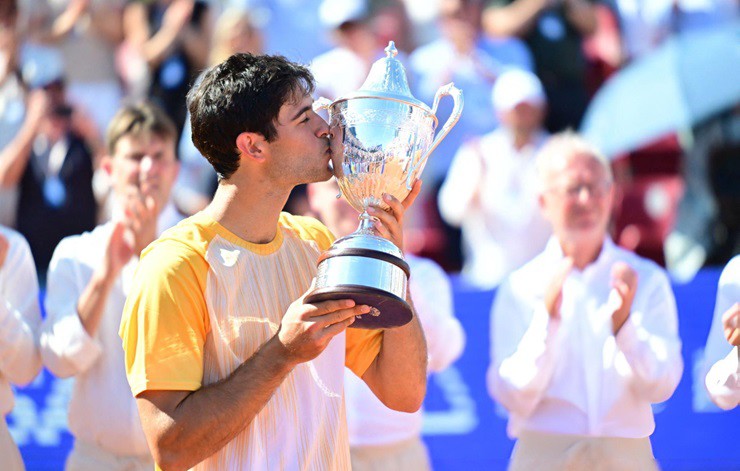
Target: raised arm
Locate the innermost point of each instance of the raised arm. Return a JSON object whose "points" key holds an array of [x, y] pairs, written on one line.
{"points": [[397, 376], [649, 340]]}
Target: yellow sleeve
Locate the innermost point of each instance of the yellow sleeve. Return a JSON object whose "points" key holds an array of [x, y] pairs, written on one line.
{"points": [[165, 320], [362, 348]]}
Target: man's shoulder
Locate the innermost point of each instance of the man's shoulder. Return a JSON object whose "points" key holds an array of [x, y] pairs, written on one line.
{"points": [[187, 241], [307, 228], [86, 245]]}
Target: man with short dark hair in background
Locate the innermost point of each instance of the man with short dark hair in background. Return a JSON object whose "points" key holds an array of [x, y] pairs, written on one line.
{"points": [[90, 276]]}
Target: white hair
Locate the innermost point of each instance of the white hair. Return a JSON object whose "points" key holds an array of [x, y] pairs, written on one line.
{"points": [[567, 144]]}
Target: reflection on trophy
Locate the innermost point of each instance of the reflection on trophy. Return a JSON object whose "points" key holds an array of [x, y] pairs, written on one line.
{"points": [[382, 138]]}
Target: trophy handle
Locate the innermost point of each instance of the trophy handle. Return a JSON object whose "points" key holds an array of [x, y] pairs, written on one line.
{"points": [[457, 96]]}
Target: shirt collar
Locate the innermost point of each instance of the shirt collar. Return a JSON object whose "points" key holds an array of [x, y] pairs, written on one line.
{"points": [[605, 258]]}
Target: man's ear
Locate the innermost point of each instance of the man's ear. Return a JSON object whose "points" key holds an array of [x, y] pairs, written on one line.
{"points": [[252, 145]]}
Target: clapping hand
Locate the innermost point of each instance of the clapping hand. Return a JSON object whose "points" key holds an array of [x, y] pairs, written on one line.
{"points": [[731, 324], [624, 287]]}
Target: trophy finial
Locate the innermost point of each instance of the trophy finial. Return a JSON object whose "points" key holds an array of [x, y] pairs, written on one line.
{"points": [[391, 50]]}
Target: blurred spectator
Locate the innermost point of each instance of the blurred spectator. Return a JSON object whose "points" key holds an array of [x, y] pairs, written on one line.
{"points": [[55, 191], [554, 31], [173, 37], [645, 25], [17, 124], [722, 352], [88, 281], [235, 31], [379, 437], [344, 68], [87, 33], [391, 22], [463, 56], [20, 361], [491, 189], [584, 338]]}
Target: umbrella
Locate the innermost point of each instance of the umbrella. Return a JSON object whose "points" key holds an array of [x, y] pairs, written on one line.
{"points": [[689, 78]]}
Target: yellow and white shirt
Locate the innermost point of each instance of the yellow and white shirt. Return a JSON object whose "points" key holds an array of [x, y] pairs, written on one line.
{"points": [[204, 301]]}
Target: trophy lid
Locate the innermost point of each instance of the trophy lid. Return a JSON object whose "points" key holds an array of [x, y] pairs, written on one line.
{"points": [[387, 80]]}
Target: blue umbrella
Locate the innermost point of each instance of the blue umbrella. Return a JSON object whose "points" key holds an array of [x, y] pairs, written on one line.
{"points": [[687, 79]]}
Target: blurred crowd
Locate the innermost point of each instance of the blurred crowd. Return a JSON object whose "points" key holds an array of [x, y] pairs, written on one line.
{"points": [[527, 68], [94, 124]]}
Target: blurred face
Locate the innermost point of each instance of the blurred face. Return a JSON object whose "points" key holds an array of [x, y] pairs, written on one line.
{"points": [[577, 198], [301, 151], [335, 213], [143, 166], [524, 117]]}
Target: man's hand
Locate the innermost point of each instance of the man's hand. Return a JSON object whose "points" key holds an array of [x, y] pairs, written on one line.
{"points": [[390, 222], [624, 287], [141, 211], [4, 247], [306, 329], [731, 324], [554, 292], [119, 251]]}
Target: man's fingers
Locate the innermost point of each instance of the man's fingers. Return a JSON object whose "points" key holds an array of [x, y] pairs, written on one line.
{"points": [[338, 327], [340, 315], [326, 307]]}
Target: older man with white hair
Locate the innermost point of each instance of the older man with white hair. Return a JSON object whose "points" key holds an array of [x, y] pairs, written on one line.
{"points": [[585, 336], [491, 188]]}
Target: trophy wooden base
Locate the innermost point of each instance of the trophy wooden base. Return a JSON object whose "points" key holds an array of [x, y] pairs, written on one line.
{"points": [[388, 310]]}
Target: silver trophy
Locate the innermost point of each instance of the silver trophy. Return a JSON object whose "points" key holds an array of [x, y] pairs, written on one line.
{"points": [[384, 136]]}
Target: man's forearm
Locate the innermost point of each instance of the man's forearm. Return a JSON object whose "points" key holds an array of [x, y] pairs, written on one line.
{"points": [[92, 302], [398, 374], [204, 421]]}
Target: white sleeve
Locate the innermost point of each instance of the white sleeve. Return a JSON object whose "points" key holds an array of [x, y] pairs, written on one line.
{"points": [[431, 294], [460, 186], [723, 381], [20, 316], [524, 351], [66, 347], [649, 340]]}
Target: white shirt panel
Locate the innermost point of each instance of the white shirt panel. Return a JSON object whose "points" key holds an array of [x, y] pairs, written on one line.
{"points": [[723, 378], [573, 376], [20, 361], [369, 421], [102, 410]]}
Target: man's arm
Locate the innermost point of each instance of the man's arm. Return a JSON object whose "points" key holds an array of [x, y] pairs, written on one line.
{"points": [[14, 156], [185, 427], [398, 375], [648, 337]]}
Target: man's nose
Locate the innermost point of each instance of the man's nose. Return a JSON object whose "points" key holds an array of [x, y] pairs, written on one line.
{"points": [[323, 130]]}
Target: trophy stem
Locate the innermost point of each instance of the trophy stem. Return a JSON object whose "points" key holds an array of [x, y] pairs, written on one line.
{"points": [[367, 224]]}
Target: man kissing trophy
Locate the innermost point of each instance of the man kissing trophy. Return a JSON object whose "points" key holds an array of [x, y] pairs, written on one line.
{"points": [[385, 136]]}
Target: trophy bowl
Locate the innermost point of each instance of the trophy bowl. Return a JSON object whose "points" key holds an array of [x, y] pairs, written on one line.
{"points": [[381, 138]]}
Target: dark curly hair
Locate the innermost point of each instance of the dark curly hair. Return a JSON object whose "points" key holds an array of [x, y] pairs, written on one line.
{"points": [[242, 94]]}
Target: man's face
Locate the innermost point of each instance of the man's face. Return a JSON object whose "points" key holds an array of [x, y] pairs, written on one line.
{"points": [[577, 198], [301, 151], [524, 117], [143, 166]]}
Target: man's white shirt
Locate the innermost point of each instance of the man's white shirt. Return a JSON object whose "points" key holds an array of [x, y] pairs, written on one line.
{"points": [[720, 358], [20, 318], [573, 376], [102, 411]]}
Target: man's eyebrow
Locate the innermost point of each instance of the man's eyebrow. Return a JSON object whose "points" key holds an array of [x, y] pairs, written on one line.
{"points": [[300, 112]]}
